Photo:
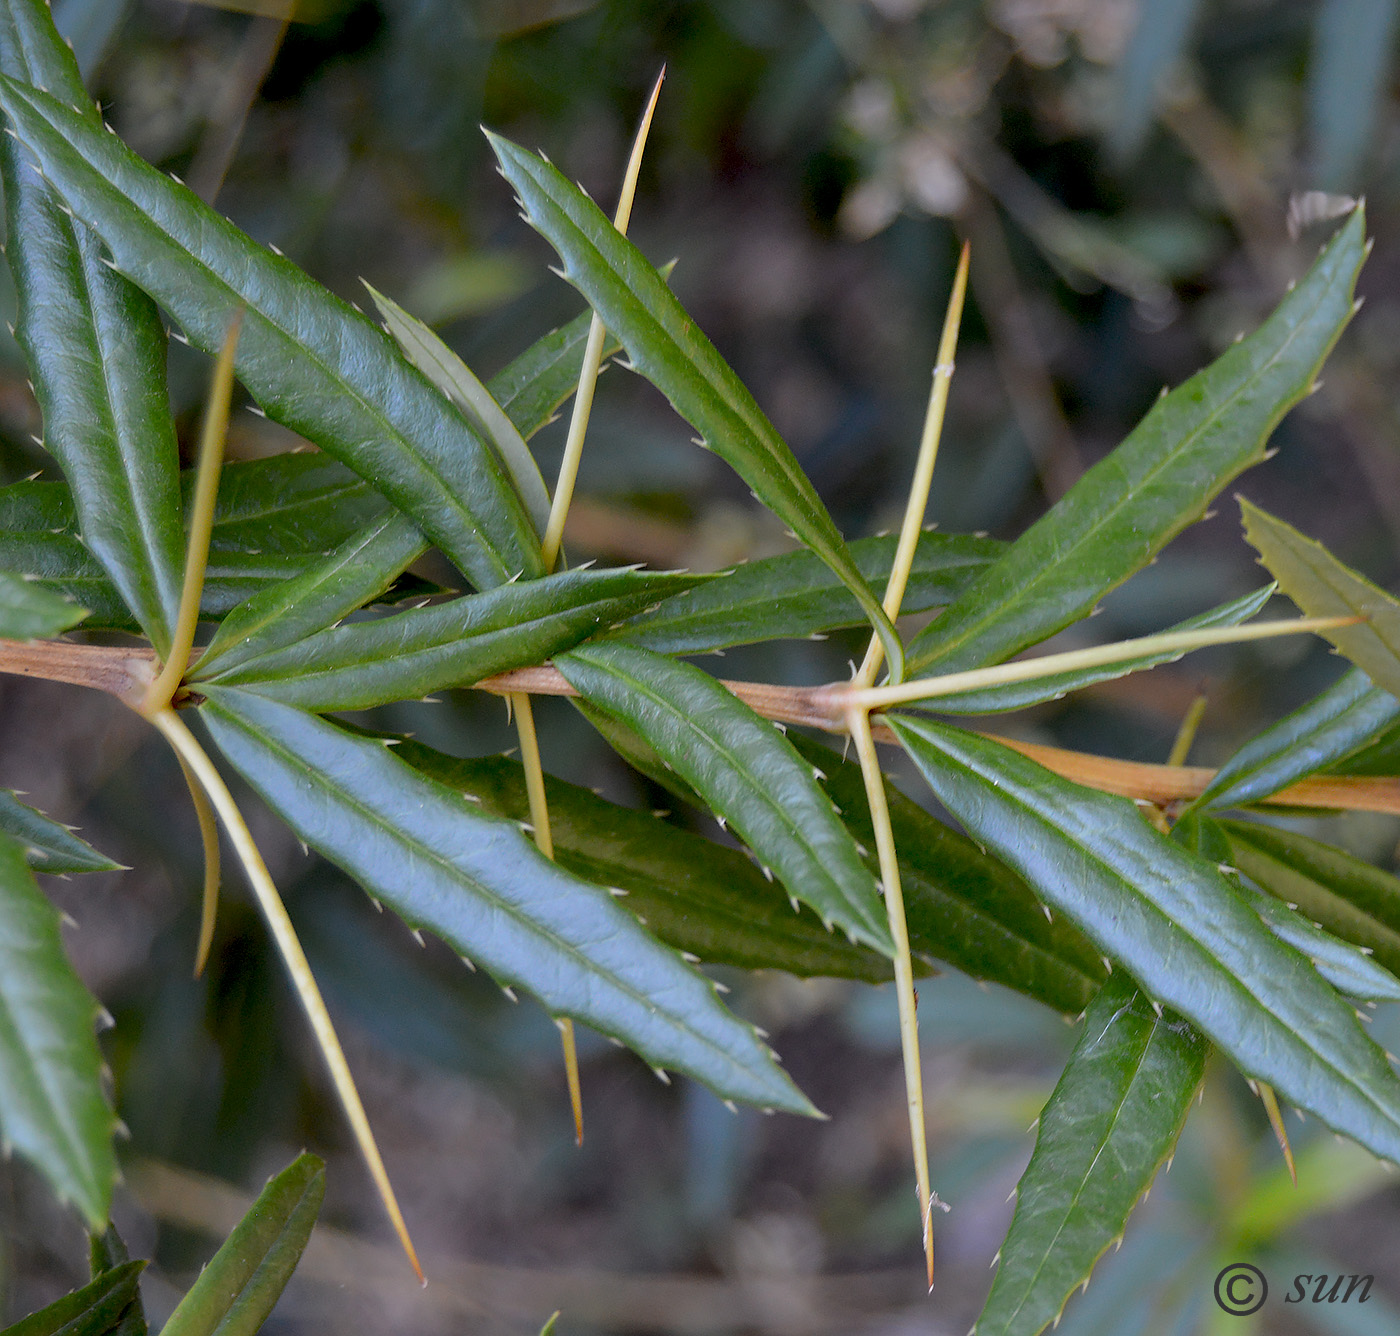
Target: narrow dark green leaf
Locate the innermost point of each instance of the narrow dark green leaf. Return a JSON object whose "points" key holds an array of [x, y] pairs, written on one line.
{"points": [[1159, 480], [665, 345], [28, 611], [962, 905], [1350, 899], [48, 846], [1174, 922], [1378, 757], [693, 894], [96, 352], [107, 1252], [746, 771], [1322, 586], [409, 654], [480, 884], [1019, 695], [1110, 1124], [98, 1309], [1348, 76], [1329, 727], [533, 388], [52, 1109], [798, 595], [356, 573], [237, 1291], [313, 362]]}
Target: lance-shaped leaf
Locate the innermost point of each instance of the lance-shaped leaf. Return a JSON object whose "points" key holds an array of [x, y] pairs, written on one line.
{"points": [[745, 770], [1110, 1124], [356, 573], [1324, 587], [1349, 969], [1174, 922], [97, 1309], [411, 653], [96, 352], [1329, 727], [48, 846], [105, 1253], [962, 905], [312, 361], [1350, 899], [237, 1291], [534, 386], [1019, 695], [695, 895], [798, 595], [1159, 480], [481, 885], [668, 348], [52, 1109], [455, 379], [28, 611]]}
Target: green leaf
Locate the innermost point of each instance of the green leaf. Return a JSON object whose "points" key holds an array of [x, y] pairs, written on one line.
{"points": [[665, 345], [52, 1109], [1019, 695], [237, 1291], [747, 772], [98, 1309], [1160, 479], [533, 388], [48, 846], [1111, 1122], [1323, 587], [454, 378], [797, 595], [1329, 727], [411, 653], [96, 352], [311, 361], [1350, 899], [693, 894], [107, 1252], [962, 905], [356, 573], [481, 885], [1174, 922], [28, 611]]}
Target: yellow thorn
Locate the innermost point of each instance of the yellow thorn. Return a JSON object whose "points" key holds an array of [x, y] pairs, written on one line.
{"points": [[1186, 734], [1266, 1094], [209, 836], [189, 751], [566, 1033]]}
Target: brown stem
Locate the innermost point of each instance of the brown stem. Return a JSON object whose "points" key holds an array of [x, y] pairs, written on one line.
{"points": [[123, 673]]}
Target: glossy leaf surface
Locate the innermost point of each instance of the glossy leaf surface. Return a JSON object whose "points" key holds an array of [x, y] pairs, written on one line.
{"points": [[314, 363], [408, 654], [480, 884], [28, 611], [1325, 587], [798, 595], [52, 1109], [747, 772], [1174, 922], [666, 346], [1111, 1122], [48, 846], [1159, 480], [695, 895], [237, 1290], [97, 1309], [533, 388]]}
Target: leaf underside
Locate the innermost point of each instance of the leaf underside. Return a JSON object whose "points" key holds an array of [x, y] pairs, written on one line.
{"points": [[48, 846]]}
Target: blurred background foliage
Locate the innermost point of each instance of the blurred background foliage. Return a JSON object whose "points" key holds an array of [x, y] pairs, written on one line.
{"points": [[1124, 170]]}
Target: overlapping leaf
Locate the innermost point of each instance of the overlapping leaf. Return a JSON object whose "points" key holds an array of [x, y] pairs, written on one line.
{"points": [[97, 1309], [52, 1109], [1111, 1122], [408, 654], [1159, 480], [695, 895], [798, 595], [48, 846], [237, 1290], [1174, 922], [96, 352], [747, 772], [534, 386], [665, 345], [28, 611], [313, 362], [1325, 587], [481, 885]]}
